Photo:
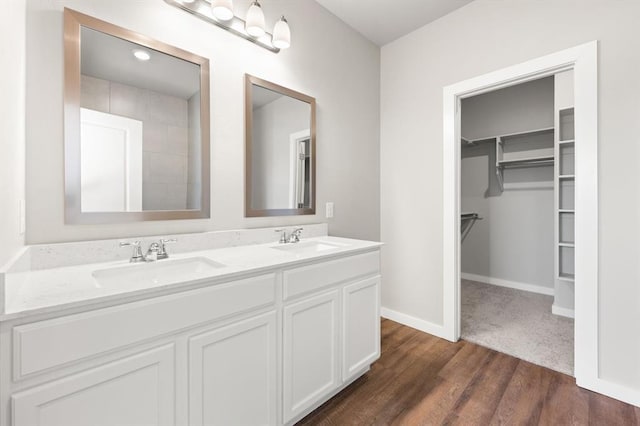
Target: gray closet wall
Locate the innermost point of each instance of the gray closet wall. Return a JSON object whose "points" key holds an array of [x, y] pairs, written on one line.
{"points": [[515, 240]]}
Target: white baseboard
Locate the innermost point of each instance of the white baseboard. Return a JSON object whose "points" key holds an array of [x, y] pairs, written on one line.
{"points": [[413, 322], [564, 312], [533, 288], [612, 390]]}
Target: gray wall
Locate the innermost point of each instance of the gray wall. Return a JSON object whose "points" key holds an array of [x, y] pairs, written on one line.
{"points": [[514, 241], [273, 123], [327, 60], [484, 36], [12, 131]]}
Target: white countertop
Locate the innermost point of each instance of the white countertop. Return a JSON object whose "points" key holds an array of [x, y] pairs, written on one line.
{"points": [[56, 289]]}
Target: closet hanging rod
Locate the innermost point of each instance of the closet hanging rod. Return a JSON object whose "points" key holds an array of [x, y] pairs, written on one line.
{"points": [[469, 216], [467, 220]]}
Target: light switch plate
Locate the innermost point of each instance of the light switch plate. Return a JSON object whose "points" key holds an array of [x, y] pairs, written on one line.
{"points": [[329, 210]]}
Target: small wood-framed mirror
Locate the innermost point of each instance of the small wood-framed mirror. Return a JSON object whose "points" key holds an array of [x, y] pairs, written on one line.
{"points": [[280, 145], [136, 124]]}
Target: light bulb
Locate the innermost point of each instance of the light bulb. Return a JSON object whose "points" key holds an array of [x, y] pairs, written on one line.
{"points": [[282, 34], [254, 25], [222, 9]]}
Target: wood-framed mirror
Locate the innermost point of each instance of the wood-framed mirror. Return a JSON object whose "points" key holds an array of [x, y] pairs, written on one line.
{"points": [[280, 150], [136, 126]]}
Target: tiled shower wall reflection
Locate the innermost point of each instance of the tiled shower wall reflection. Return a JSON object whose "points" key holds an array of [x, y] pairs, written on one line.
{"points": [[166, 147]]}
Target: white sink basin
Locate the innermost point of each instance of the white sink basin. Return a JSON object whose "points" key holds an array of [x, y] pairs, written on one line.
{"points": [[310, 247], [156, 273]]}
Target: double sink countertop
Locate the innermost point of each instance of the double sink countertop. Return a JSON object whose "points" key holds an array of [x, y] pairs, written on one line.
{"points": [[57, 289]]}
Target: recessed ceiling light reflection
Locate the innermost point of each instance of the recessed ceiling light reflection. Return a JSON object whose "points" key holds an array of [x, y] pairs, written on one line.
{"points": [[141, 55]]}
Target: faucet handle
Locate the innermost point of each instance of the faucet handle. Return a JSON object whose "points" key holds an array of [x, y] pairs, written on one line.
{"points": [[283, 237], [136, 255], [294, 237], [162, 252]]}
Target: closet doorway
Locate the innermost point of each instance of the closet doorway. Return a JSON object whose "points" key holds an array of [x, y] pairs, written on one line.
{"points": [[583, 61], [517, 235]]}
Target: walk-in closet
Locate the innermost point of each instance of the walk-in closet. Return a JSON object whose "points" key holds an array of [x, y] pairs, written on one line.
{"points": [[517, 223]]}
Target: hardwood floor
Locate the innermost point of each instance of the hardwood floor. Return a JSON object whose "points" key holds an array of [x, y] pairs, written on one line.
{"points": [[424, 380]]}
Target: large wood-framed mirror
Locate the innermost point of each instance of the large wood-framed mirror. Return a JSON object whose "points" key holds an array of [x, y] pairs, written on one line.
{"points": [[136, 126], [280, 145]]}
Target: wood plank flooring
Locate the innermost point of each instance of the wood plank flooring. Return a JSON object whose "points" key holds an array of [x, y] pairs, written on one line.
{"points": [[424, 380]]}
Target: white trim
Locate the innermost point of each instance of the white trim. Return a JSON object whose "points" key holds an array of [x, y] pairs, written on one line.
{"points": [[294, 139], [583, 60], [613, 390], [563, 312], [533, 288], [413, 322]]}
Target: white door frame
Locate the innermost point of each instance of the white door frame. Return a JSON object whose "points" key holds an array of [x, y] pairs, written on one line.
{"points": [[583, 60]]}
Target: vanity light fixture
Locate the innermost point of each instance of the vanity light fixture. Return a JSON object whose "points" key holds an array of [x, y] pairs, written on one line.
{"points": [[222, 9], [141, 55], [254, 25], [282, 34], [220, 13]]}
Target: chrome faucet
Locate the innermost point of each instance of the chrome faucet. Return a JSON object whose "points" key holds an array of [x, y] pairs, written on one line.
{"points": [[294, 237], [152, 252], [156, 251]]}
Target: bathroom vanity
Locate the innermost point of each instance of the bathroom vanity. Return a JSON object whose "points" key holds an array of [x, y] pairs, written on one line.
{"points": [[254, 334]]}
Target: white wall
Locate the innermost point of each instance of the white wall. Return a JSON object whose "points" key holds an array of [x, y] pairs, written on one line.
{"points": [[515, 239], [481, 37], [327, 60], [12, 133]]}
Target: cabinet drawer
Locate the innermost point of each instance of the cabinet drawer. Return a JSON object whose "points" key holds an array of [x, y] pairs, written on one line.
{"points": [[312, 277], [46, 344]]}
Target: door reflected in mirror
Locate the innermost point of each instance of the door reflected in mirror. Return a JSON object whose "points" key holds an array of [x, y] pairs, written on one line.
{"points": [[136, 126], [280, 148]]}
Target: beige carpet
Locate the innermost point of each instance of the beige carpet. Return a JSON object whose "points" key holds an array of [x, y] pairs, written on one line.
{"points": [[517, 323]]}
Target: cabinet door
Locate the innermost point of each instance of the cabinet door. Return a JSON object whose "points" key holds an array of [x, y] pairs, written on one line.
{"points": [[136, 390], [361, 326], [311, 351], [232, 374]]}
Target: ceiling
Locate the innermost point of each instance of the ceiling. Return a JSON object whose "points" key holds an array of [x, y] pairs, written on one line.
{"points": [[383, 21], [111, 58]]}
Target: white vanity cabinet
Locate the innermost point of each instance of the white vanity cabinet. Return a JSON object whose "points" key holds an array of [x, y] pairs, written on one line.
{"points": [[311, 351], [360, 326], [199, 357], [232, 374], [331, 328], [261, 349], [135, 390]]}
